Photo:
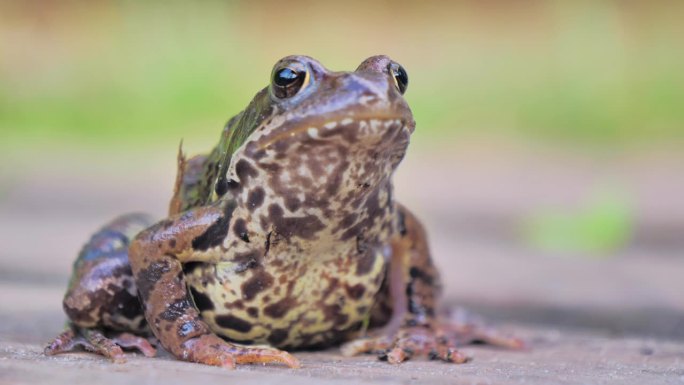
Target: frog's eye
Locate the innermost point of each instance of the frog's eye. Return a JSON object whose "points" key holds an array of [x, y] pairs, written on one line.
{"points": [[399, 76], [287, 80]]}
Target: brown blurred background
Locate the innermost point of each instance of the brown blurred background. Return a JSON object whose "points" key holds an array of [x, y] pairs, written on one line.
{"points": [[547, 161]]}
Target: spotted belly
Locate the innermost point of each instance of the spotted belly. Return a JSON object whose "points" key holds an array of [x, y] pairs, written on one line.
{"points": [[294, 304]]}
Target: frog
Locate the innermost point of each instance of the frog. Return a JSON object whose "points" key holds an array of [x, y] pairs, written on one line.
{"points": [[285, 236]]}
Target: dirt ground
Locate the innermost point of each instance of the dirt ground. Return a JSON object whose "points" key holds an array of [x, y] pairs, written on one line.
{"points": [[589, 318]]}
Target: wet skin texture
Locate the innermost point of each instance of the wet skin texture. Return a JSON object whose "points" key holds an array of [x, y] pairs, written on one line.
{"points": [[285, 234]]}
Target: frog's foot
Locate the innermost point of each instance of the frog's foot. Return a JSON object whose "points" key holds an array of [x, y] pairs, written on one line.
{"points": [[209, 349], [466, 328], [437, 342], [406, 343], [94, 341]]}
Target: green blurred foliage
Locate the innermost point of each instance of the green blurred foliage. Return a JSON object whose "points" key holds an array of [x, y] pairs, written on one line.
{"points": [[95, 73], [601, 226]]}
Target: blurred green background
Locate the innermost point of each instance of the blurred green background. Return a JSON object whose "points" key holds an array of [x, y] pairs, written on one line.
{"points": [[604, 73], [597, 77]]}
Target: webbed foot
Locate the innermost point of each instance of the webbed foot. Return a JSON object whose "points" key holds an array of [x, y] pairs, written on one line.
{"points": [[95, 341]]}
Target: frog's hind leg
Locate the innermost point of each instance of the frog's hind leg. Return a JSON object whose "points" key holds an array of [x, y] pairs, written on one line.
{"points": [[406, 308], [101, 301]]}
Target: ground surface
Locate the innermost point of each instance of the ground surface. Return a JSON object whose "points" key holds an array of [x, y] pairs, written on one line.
{"points": [[589, 318]]}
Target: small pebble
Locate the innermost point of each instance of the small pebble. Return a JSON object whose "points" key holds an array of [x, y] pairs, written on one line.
{"points": [[646, 351]]}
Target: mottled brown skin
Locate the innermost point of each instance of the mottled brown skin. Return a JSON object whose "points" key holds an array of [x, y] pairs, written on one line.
{"points": [[286, 234]]}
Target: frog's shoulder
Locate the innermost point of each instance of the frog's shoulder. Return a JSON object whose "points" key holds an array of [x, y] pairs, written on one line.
{"points": [[198, 178]]}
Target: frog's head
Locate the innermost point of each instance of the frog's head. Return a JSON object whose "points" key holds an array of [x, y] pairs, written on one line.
{"points": [[321, 131]]}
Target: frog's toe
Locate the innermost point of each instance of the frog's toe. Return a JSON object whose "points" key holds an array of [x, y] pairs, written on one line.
{"points": [[65, 342], [95, 341], [254, 355], [367, 345], [406, 343], [465, 328], [212, 350], [131, 341], [90, 340]]}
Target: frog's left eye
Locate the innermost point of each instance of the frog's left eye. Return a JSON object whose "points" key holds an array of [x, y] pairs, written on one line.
{"points": [[289, 79], [399, 76]]}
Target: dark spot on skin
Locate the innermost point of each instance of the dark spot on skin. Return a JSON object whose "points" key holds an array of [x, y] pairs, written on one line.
{"points": [[361, 244], [202, 301], [355, 291], [334, 313], [172, 243], [348, 221], [372, 209], [401, 222], [259, 281], [244, 170], [277, 336], [255, 198], [221, 187], [253, 312], [292, 203], [235, 305], [303, 227], [148, 277], [246, 261], [281, 147], [233, 185], [231, 322], [267, 244], [121, 301], [280, 308], [332, 285], [189, 267], [175, 310], [417, 273], [253, 151], [213, 236], [365, 263], [240, 229]]}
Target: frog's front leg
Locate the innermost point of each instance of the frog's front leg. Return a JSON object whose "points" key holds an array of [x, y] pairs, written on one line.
{"points": [[156, 256], [411, 290]]}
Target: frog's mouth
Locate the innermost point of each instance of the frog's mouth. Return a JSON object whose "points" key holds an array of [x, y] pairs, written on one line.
{"points": [[355, 130]]}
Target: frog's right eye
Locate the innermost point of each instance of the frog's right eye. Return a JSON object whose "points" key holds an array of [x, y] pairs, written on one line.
{"points": [[289, 79]]}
